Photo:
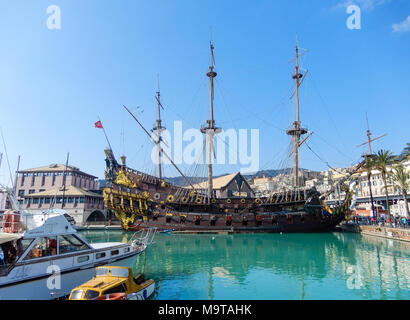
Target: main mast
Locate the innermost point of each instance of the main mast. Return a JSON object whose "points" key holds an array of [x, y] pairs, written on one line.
{"points": [[158, 129], [211, 130], [296, 131]]}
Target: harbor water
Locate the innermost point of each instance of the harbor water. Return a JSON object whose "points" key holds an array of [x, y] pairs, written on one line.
{"points": [[272, 266]]}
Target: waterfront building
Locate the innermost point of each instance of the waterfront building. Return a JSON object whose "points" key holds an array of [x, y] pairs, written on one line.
{"points": [[83, 205], [40, 188], [378, 190]]}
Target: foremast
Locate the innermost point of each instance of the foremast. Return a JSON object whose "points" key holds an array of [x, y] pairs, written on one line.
{"points": [[296, 131], [210, 130]]}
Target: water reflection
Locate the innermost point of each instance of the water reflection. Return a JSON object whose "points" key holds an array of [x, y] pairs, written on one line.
{"points": [[274, 266]]}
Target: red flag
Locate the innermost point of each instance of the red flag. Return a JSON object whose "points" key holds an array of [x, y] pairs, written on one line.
{"points": [[98, 124]]}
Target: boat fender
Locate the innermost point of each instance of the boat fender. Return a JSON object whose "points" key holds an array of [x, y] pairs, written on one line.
{"points": [[157, 196]]}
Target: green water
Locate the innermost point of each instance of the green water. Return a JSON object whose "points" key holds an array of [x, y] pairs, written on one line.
{"points": [[273, 266]]}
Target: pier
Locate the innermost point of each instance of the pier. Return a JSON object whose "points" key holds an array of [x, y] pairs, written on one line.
{"points": [[402, 234]]}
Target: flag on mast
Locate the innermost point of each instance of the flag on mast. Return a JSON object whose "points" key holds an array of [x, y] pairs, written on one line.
{"points": [[98, 124]]}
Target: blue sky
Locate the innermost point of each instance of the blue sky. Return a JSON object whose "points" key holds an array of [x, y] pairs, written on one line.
{"points": [[54, 84]]}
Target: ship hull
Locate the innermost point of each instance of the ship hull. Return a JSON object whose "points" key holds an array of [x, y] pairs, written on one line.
{"points": [[266, 225]]}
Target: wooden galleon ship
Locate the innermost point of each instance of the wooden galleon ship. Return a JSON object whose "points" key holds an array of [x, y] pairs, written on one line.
{"points": [[141, 200]]}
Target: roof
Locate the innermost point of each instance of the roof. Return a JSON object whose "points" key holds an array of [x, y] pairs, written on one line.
{"points": [[55, 168], [220, 182], [69, 191], [6, 237]]}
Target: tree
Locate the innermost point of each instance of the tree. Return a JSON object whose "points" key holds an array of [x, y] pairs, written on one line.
{"points": [[401, 182], [383, 159], [405, 154], [368, 166]]}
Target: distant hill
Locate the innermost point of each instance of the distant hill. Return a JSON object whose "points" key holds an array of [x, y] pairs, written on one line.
{"points": [[180, 181]]}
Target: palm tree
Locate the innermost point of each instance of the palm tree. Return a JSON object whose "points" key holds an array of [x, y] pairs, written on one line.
{"points": [[401, 182], [405, 154], [383, 159], [368, 166]]}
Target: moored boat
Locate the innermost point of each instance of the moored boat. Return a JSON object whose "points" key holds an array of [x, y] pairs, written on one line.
{"points": [[114, 283], [44, 257]]}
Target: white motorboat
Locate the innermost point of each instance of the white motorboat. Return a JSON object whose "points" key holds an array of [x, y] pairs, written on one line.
{"points": [[43, 257]]}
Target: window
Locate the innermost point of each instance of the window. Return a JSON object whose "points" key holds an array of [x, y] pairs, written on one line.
{"points": [[47, 200], [119, 272], [120, 288], [59, 199], [22, 246], [76, 295], [81, 199], [100, 255], [35, 200], [69, 243], [31, 191], [91, 294], [82, 259], [44, 247], [21, 193], [101, 271], [70, 199], [115, 252]]}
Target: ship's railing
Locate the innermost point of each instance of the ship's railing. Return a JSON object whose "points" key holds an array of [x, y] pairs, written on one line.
{"points": [[143, 237]]}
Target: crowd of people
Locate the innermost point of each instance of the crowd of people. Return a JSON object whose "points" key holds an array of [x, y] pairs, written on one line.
{"points": [[383, 220]]}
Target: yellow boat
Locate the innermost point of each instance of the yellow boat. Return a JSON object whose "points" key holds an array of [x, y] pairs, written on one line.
{"points": [[114, 283]]}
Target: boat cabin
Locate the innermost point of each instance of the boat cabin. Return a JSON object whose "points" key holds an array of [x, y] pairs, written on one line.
{"points": [[109, 280]]}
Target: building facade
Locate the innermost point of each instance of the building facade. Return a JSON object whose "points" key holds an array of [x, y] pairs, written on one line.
{"points": [[42, 188]]}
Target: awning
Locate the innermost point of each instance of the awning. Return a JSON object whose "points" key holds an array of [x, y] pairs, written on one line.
{"points": [[6, 237]]}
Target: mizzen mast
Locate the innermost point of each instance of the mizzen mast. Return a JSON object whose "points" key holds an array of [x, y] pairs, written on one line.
{"points": [[210, 130], [296, 131], [158, 129]]}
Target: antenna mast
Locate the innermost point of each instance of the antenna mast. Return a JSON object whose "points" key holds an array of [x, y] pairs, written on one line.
{"points": [[369, 140], [296, 131], [211, 130], [158, 129]]}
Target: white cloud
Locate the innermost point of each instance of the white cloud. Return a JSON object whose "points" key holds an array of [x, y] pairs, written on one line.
{"points": [[402, 26], [365, 5]]}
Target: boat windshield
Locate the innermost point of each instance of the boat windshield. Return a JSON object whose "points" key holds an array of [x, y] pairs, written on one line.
{"points": [[119, 272], [76, 295], [101, 271], [91, 294]]}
